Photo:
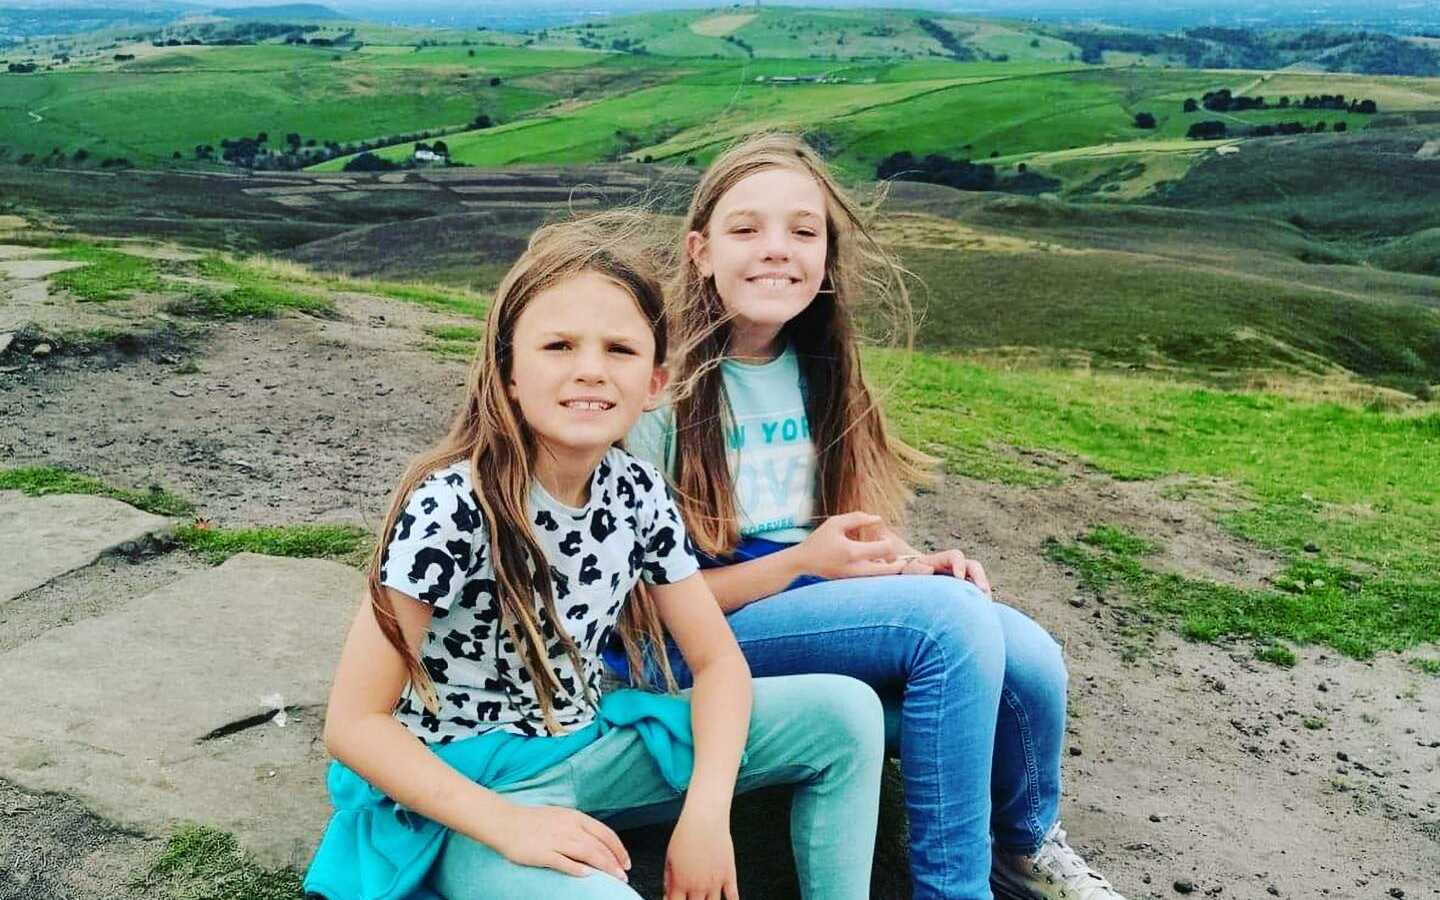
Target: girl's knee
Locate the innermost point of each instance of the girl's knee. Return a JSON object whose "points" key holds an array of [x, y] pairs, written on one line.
{"points": [[1030, 651], [834, 710], [961, 621]]}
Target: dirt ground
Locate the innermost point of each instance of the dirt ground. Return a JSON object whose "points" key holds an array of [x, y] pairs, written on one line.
{"points": [[1188, 768]]}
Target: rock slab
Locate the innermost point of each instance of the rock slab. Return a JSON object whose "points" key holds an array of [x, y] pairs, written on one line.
{"points": [[45, 537], [160, 713]]}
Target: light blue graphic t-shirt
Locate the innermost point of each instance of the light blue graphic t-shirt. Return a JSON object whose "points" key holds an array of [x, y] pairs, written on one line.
{"points": [[772, 459]]}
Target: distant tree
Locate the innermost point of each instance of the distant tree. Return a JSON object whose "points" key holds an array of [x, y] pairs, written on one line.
{"points": [[81, 155], [1207, 130], [1319, 127], [1284, 102], [1144, 120], [1022, 168], [369, 162], [1341, 126], [470, 52], [175, 155], [1092, 55], [1034, 42], [440, 148], [262, 137], [482, 121], [1367, 107], [293, 139], [494, 80]]}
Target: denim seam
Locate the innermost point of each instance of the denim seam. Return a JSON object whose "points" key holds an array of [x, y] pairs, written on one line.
{"points": [[1032, 772]]}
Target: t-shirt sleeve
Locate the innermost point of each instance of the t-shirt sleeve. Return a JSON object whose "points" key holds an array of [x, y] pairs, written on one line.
{"points": [[669, 556], [651, 439], [432, 548]]}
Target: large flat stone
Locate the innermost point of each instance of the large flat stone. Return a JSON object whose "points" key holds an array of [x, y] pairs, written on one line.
{"points": [[116, 710], [45, 537]]}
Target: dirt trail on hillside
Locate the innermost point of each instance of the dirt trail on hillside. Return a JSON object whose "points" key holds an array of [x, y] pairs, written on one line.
{"points": [[1186, 763]]}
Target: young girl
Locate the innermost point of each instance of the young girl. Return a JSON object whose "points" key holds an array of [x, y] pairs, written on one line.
{"points": [[789, 480], [475, 757]]}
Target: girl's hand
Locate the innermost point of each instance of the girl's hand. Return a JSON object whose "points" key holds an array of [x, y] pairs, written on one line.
{"points": [[700, 864], [835, 549], [951, 562], [554, 837]]}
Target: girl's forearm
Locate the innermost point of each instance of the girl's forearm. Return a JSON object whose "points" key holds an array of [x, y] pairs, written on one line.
{"points": [[743, 583], [380, 749], [720, 719]]}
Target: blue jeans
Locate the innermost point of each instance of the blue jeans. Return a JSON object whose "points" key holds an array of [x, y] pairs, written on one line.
{"points": [[980, 693], [821, 733]]}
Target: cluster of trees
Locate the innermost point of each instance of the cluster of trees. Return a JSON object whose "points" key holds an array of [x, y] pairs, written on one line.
{"points": [[953, 45], [741, 43], [1223, 101], [936, 168], [1210, 130], [296, 151], [962, 174], [21, 68], [629, 45], [1094, 44], [1294, 128], [369, 162]]}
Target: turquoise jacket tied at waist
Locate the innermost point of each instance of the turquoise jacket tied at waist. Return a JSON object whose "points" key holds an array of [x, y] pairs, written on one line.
{"points": [[374, 849]]}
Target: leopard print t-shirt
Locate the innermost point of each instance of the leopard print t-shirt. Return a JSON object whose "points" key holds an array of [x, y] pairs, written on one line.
{"points": [[439, 554]]}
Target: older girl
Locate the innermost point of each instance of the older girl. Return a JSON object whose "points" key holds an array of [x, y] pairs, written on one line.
{"points": [[790, 481]]}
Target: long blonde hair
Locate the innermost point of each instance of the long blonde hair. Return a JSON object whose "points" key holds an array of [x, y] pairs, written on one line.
{"points": [[490, 433], [861, 464]]}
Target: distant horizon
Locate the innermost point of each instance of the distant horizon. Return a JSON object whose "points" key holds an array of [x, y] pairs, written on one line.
{"points": [[1397, 16]]}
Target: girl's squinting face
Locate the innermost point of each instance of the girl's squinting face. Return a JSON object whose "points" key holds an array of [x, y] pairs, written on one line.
{"points": [[765, 247], [583, 363]]}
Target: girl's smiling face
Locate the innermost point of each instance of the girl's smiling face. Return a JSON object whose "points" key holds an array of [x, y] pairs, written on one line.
{"points": [[583, 364], [765, 248]]}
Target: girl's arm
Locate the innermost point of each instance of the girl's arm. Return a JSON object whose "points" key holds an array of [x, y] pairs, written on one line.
{"points": [[361, 732], [833, 550], [701, 858]]}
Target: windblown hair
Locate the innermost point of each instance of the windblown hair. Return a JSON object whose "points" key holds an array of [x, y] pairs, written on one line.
{"points": [[489, 431], [861, 465]]}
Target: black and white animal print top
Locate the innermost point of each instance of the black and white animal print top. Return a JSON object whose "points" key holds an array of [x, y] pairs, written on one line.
{"points": [[439, 554]]}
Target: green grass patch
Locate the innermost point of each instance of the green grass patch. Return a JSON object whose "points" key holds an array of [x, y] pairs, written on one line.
{"points": [[1120, 541], [261, 301], [255, 294], [455, 332], [1277, 654], [1427, 664], [425, 295], [459, 341], [106, 275], [1323, 603], [40, 481], [203, 863], [345, 543]]}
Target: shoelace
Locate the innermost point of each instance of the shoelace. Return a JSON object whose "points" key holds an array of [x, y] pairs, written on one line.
{"points": [[1061, 860]]}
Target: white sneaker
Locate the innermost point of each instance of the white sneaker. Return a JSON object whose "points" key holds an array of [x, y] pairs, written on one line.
{"points": [[1054, 872]]}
